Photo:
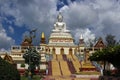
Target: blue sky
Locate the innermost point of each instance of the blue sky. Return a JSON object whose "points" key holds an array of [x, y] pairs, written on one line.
{"points": [[92, 18]]}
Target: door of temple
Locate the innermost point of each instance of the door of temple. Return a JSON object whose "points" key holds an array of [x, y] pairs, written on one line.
{"points": [[70, 51], [61, 51], [53, 50]]}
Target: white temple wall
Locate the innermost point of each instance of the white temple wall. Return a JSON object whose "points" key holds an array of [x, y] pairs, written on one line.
{"points": [[57, 50], [66, 50], [73, 50], [43, 66], [19, 66]]}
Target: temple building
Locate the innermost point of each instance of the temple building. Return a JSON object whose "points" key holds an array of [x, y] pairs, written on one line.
{"points": [[65, 54]]}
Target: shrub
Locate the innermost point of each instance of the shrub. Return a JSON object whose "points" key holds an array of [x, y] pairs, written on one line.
{"points": [[8, 71], [22, 65]]}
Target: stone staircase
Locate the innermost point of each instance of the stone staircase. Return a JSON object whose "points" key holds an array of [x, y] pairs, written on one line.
{"points": [[64, 68], [59, 57], [69, 64], [69, 57], [77, 66], [71, 67], [75, 62], [55, 68], [64, 57], [74, 57]]}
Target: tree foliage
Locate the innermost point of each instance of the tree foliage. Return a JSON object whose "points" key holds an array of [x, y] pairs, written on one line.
{"points": [[109, 54], [8, 71], [32, 58], [22, 65], [110, 40]]}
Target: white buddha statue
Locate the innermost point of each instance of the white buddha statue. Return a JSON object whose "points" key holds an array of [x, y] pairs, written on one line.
{"points": [[60, 26]]}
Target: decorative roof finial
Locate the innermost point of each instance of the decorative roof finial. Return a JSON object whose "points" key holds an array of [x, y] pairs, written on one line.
{"points": [[43, 36], [81, 36]]}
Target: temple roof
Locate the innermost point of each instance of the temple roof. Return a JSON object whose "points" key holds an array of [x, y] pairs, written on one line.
{"points": [[8, 58], [100, 43]]}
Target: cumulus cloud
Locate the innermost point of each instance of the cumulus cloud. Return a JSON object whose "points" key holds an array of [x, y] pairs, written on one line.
{"points": [[86, 33], [34, 14], [5, 40], [94, 18], [99, 17]]}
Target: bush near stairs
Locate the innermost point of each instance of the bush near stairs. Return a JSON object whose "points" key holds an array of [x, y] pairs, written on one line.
{"points": [[8, 71]]}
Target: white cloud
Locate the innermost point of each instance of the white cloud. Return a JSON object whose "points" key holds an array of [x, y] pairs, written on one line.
{"points": [[5, 40], [40, 14], [100, 16], [11, 29], [87, 34], [93, 17]]}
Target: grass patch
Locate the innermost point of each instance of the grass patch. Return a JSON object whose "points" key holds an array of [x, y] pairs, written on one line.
{"points": [[35, 77]]}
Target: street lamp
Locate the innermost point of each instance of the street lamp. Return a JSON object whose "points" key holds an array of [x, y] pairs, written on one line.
{"points": [[29, 69]]}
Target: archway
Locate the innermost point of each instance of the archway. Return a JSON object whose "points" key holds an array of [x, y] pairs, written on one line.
{"points": [[70, 51], [61, 51], [53, 50]]}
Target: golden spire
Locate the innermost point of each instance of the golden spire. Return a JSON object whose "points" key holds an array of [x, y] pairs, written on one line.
{"points": [[43, 35], [43, 38]]}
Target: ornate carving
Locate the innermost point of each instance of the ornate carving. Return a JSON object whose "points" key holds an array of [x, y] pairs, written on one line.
{"points": [[28, 39]]}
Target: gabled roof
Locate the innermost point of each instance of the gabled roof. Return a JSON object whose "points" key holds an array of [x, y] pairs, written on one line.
{"points": [[8, 58], [100, 44]]}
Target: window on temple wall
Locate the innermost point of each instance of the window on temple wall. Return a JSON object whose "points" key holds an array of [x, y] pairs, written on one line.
{"points": [[38, 48], [15, 47], [49, 50], [46, 50], [90, 49], [22, 51], [82, 50]]}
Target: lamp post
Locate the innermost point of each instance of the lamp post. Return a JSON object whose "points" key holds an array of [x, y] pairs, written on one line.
{"points": [[27, 57], [29, 69]]}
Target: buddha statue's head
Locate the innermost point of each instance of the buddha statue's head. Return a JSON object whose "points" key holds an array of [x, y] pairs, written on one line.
{"points": [[60, 18]]}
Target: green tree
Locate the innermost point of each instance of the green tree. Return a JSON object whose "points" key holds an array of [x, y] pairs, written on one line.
{"points": [[109, 54], [110, 40], [8, 71], [113, 56], [32, 58], [99, 56]]}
